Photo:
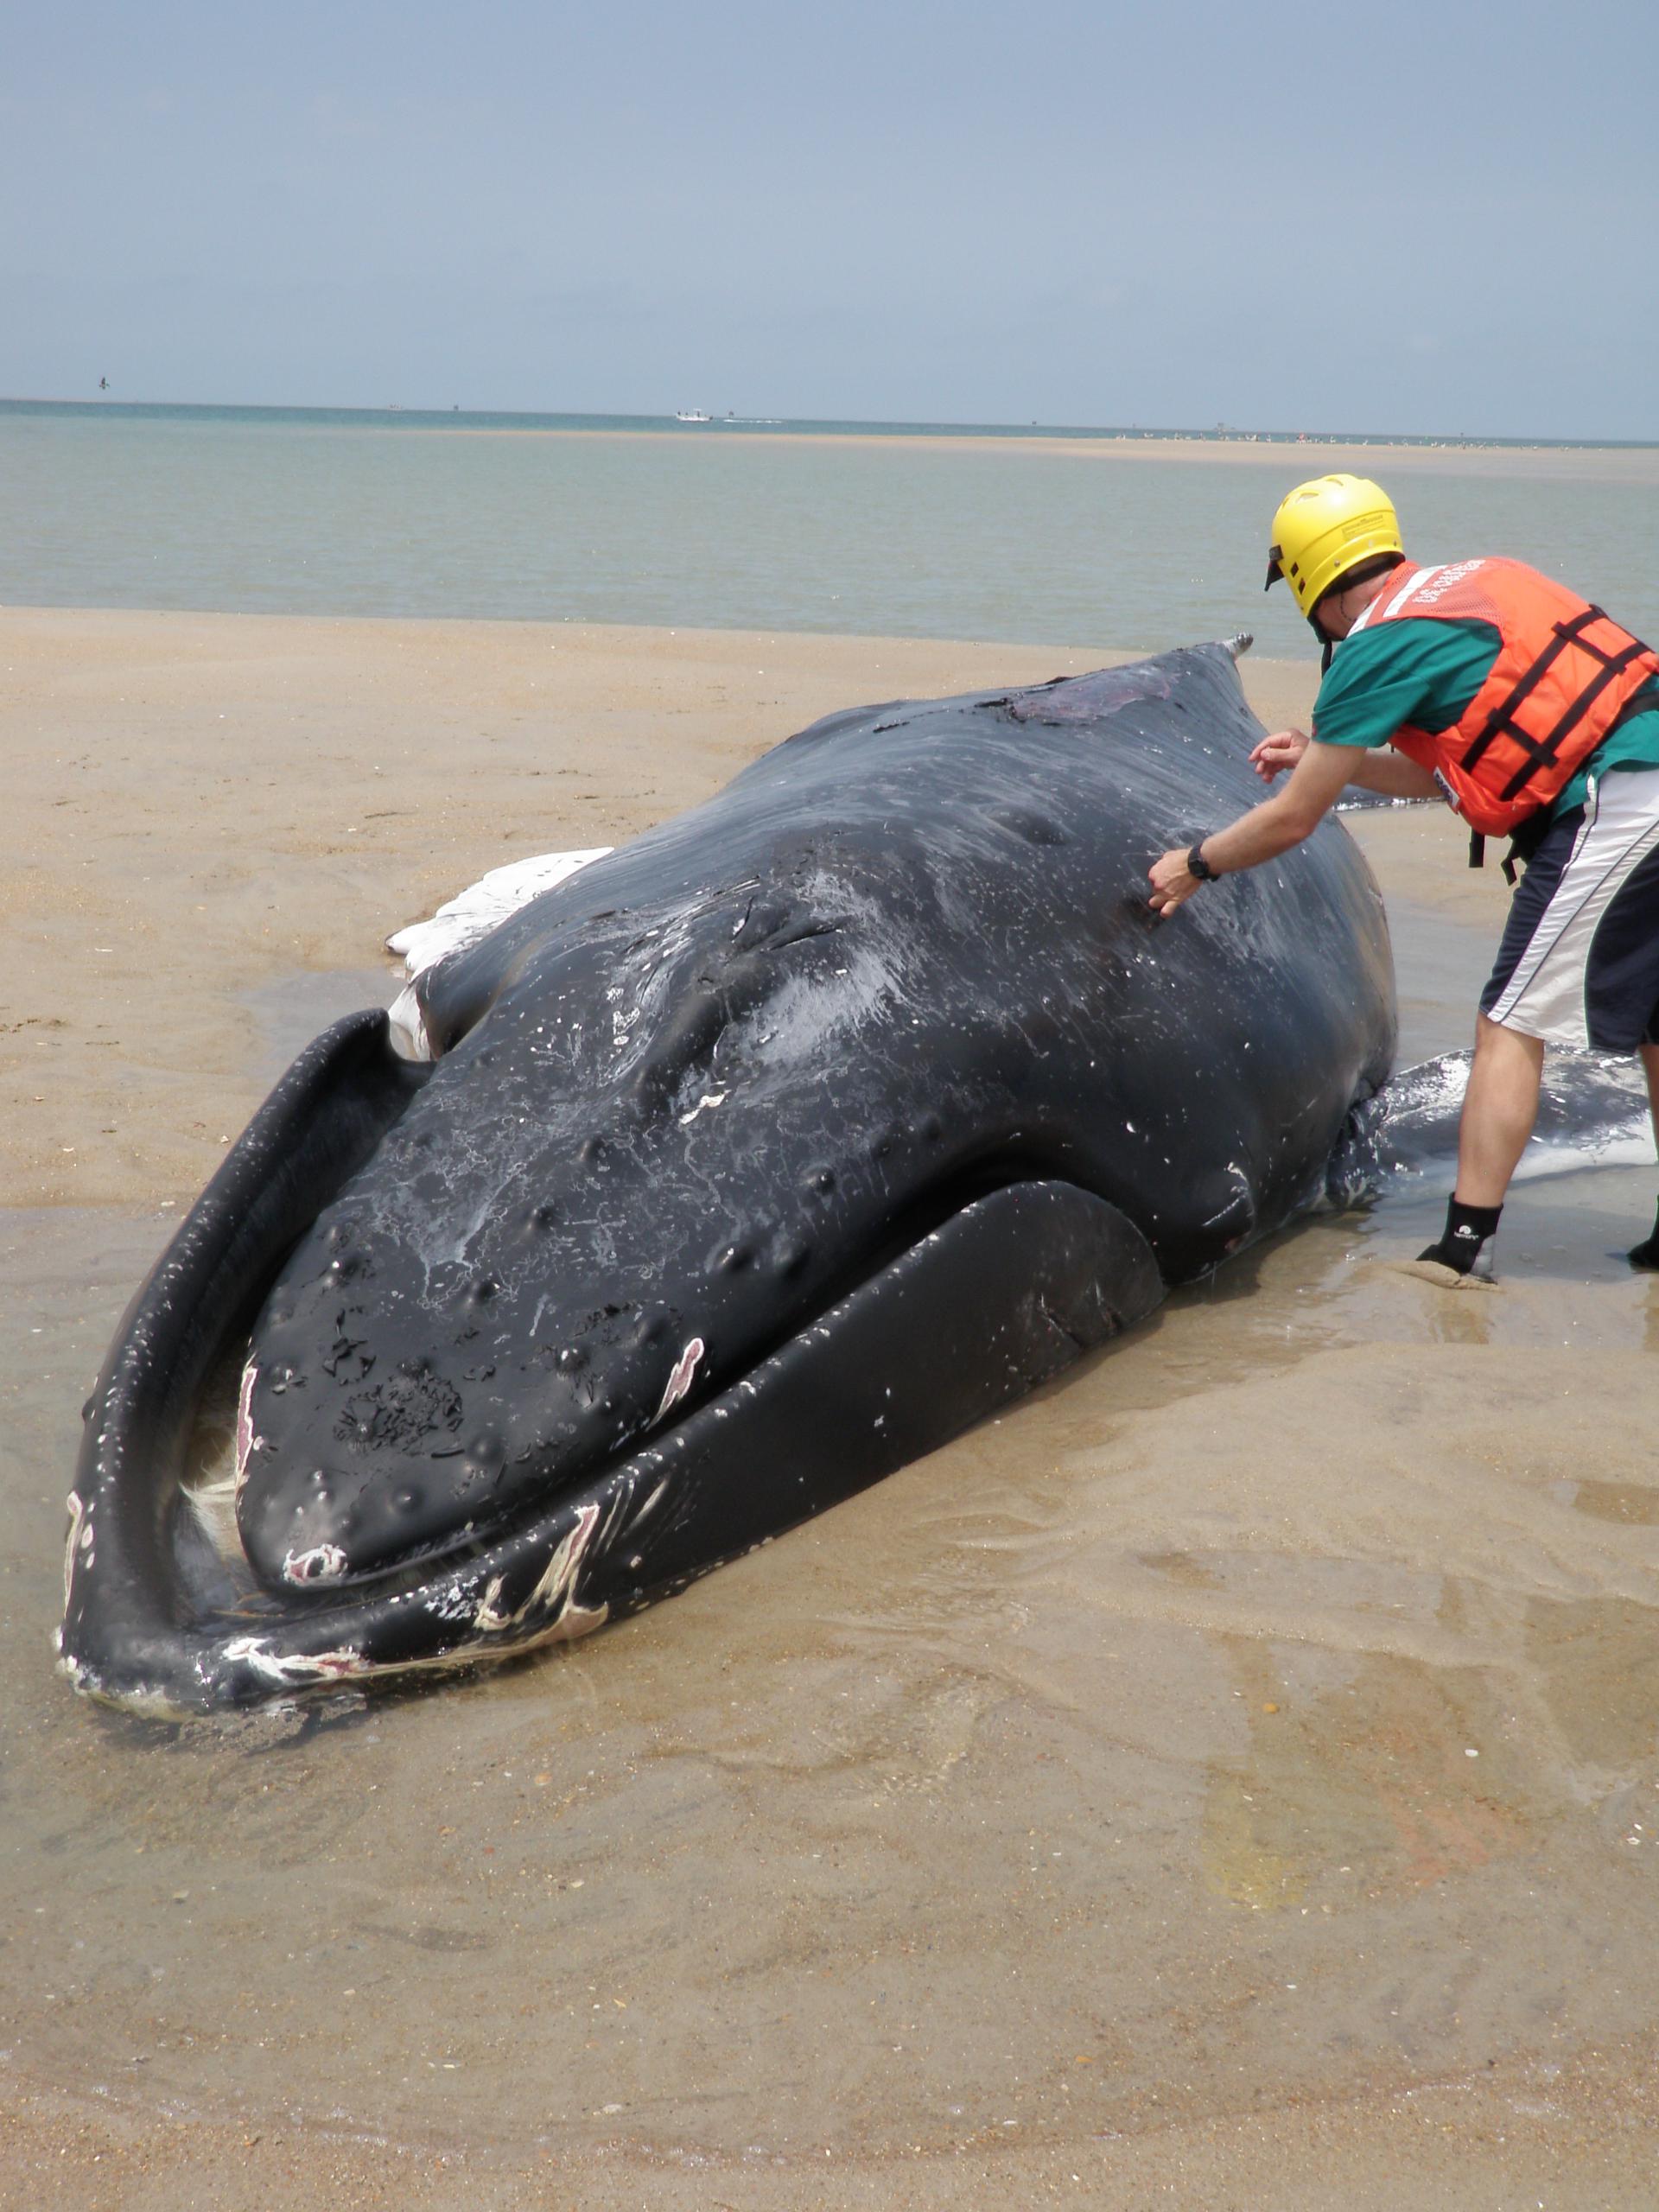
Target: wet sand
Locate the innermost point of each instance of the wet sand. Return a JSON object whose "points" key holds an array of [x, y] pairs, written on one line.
{"points": [[1453, 457], [1229, 1779]]}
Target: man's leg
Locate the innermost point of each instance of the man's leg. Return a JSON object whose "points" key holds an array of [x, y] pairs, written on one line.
{"points": [[1499, 1108], [1579, 965], [1646, 1254]]}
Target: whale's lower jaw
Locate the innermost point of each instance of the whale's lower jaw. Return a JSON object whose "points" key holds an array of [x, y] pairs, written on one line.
{"points": [[1009, 1290]]}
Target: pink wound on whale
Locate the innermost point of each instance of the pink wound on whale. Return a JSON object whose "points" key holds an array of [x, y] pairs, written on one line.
{"points": [[680, 1381]]}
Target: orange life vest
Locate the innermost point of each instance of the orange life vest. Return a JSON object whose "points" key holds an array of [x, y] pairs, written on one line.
{"points": [[1563, 676]]}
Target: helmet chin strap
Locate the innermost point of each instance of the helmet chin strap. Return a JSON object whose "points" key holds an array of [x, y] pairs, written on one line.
{"points": [[1327, 645]]}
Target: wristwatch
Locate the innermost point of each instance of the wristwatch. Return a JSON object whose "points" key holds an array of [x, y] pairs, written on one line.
{"points": [[1197, 865]]}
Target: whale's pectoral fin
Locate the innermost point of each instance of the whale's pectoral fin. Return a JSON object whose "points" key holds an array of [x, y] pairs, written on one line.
{"points": [[1008, 1291], [1592, 1112]]}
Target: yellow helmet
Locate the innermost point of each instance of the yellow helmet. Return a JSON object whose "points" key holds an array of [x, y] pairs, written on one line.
{"points": [[1324, 528]]}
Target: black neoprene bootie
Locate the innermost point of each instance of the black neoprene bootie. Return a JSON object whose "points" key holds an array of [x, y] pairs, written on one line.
{"points": [[1467, 1230], [1646, 1254]]}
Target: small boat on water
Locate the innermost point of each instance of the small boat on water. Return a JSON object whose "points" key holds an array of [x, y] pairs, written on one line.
{"points": [[692, 414]]}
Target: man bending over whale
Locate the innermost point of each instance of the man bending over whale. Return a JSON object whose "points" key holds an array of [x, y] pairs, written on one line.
{"points": [[1537, 717]]}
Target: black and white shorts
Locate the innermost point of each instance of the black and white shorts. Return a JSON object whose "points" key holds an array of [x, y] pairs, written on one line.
{"points": [[1579, 959]]}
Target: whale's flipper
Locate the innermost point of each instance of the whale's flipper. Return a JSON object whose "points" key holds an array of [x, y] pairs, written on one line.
{"points": [[1593, 1113]]}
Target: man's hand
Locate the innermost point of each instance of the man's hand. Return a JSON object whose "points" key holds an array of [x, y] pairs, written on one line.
{"points": [[1269, 828], [1273, 755], [1172, 882]]}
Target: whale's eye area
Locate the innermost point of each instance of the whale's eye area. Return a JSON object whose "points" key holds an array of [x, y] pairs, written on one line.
{"points": [[1035, 829]]}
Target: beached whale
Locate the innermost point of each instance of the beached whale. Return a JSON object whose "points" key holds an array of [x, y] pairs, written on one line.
{"points": [[757, 1158]]}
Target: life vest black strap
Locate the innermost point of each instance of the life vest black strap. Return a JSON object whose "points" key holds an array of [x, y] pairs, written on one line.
{"points": [[1543, 752], [1546, 752]]}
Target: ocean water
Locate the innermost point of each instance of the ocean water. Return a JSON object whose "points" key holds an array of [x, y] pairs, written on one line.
{"points": [[567, 518]]}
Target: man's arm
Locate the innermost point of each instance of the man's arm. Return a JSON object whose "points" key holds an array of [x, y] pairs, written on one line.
{"points": [[1378, 769], [1265, 831], [1393, 775]]}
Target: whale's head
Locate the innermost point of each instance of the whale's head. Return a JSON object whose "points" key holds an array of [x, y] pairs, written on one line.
{"points": [[669, 1143]]}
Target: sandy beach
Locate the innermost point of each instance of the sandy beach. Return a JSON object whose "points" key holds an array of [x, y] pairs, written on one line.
{"points": [[1231, 1779], [1450, 456]]}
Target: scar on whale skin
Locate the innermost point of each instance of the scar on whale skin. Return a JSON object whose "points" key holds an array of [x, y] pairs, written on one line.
{"points": [[554, 1593], [79, 1539], [293, 1670], [246, 1442], [680, 1381], [323, 1563]]}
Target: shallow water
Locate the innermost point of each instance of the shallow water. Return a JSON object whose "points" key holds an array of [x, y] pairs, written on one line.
{"points": [[1264, 1710], [296, 1009], [244, 511]]}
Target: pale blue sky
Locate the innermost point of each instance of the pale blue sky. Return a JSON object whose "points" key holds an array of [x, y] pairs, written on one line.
{"points": [[1407, 217]]}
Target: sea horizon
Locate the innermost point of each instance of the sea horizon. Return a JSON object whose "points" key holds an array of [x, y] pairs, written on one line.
{"points": [[1130, 540], [396, 415]]}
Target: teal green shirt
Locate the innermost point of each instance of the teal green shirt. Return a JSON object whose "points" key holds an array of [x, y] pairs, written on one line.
{"points": [[1423, 670]]}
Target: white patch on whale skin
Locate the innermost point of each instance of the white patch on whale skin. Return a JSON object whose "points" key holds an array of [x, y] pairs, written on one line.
{"points": [[554, 1591], [572, 1624], [451, 1601], [464, 920], [246, 1442], [289, 1670], [323, 1563], [410, 1036], [680, 1381], [489, 1619], [712, 1098], [79, 1539], [473, 913], [650, 1505]]}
